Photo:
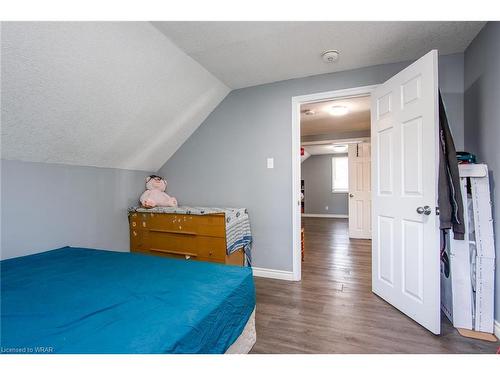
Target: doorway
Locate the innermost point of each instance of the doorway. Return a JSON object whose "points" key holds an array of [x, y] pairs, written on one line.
{"points": [[323, 144], [336, 162]]}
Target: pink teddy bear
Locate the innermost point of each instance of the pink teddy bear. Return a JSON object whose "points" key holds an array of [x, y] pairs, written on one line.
{"points": [[155, 193]]}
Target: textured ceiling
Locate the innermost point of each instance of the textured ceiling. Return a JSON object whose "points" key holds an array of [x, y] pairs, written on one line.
{"points": [[106, 94], [245, 54], [322, 122]]}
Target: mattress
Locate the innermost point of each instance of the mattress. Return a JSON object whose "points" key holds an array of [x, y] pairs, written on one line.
{"points": [[75, 300], [245, 342]]}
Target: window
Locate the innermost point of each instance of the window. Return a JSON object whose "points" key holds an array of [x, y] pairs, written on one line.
{"points": [[340, 180]]}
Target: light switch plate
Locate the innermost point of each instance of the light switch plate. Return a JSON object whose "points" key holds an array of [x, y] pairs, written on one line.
{"points": [[270, 163]]}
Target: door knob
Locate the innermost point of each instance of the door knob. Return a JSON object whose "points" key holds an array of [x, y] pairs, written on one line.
{"points": [[351, 195], [426, 210]]}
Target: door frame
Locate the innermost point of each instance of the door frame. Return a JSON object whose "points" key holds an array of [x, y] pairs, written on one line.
{"points": [[297, 101]]}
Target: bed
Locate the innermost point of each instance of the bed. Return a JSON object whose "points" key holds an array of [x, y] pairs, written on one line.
{"points": [[75, 300]]}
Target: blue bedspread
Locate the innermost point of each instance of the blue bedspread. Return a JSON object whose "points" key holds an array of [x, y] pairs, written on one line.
{"points": [[74, 300]]}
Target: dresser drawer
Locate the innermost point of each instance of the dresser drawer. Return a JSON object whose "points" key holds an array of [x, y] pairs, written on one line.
{"points": [[212, 248], [204, 225], [186, 244], [162, 254]]}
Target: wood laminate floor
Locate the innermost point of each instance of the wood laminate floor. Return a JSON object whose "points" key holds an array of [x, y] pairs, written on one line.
{"points": [[333, 310]]}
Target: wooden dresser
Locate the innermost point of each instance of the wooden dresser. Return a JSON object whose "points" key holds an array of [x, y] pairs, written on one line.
{"points": [[197, 237]]}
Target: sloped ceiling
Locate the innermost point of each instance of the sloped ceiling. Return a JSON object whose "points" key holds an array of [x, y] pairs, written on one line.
{"points": [[245, 54], [106, 94]]}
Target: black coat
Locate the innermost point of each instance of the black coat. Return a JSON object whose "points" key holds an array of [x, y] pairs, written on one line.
{"points": [[451, 209]]}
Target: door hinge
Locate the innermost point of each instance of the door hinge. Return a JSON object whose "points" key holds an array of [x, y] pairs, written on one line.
{"points": [[437, 210]]}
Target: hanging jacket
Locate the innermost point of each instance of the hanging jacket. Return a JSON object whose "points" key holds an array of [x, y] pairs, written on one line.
{"points": [[451, 210]]}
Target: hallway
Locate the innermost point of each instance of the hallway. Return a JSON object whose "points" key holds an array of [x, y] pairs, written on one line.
{"points": [[332, 310]]}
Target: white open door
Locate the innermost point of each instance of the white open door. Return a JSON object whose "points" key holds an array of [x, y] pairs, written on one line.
{"points": [[360, 194], [405, 246]]}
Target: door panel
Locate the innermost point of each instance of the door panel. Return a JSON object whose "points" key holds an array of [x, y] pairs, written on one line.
{"points": [[385, 259], [359, 215], [384, 104], [405, 248], [410, 91], [359, 176], [411, 144], [412, 259], [384, 161]]}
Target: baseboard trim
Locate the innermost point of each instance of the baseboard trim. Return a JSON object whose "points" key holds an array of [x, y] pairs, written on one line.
{"points": [[332, 216], [497, 329], [272, 274]]}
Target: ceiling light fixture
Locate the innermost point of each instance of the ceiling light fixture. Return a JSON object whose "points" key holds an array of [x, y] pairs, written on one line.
{"points": [[309, 112], [330, 56], [338, 110]]}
